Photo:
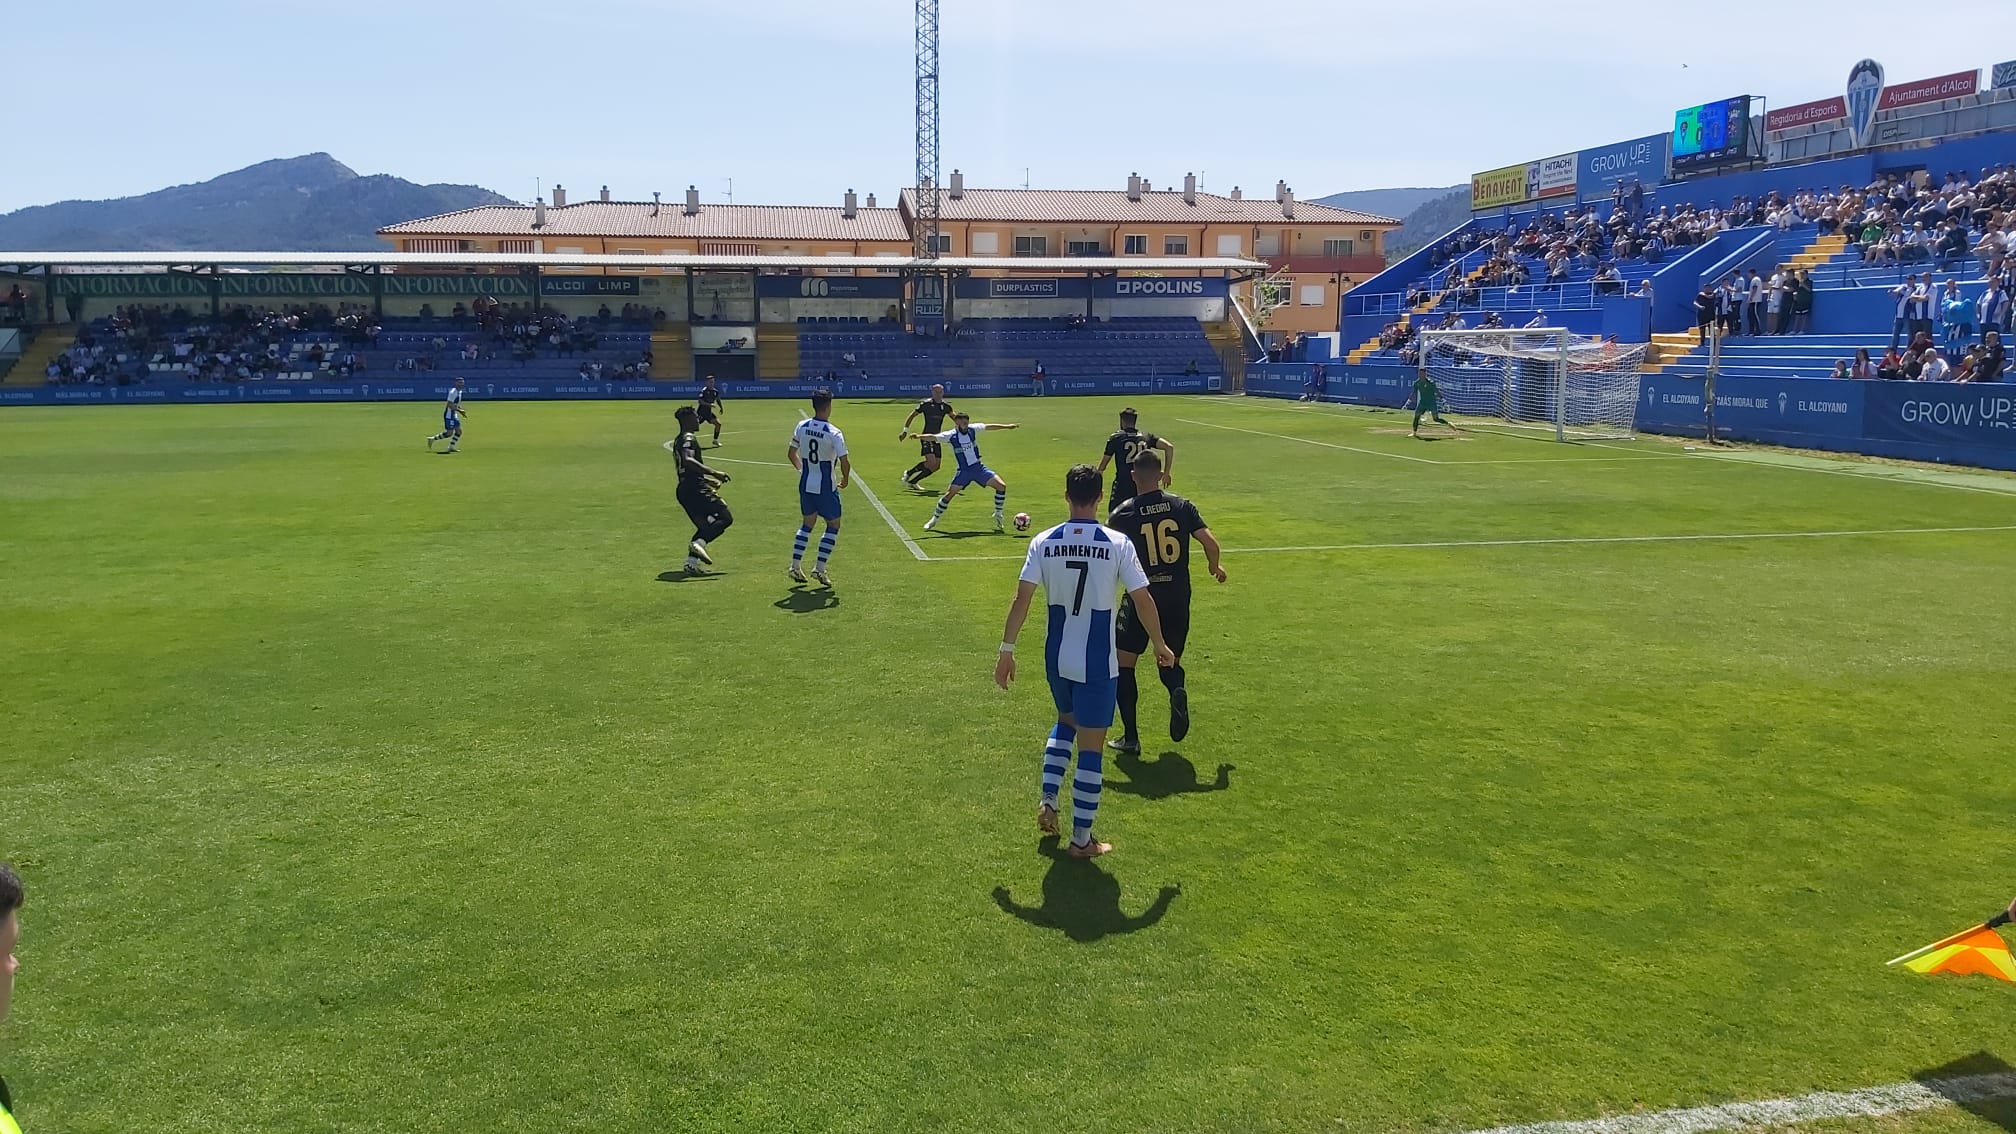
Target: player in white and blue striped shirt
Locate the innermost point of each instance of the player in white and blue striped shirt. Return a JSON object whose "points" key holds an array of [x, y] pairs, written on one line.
{"points": [[819, 453], [1082, 566], [964, 440]]}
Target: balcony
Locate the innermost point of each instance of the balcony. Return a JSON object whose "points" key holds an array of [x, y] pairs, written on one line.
{"points": [[1357, 267]]}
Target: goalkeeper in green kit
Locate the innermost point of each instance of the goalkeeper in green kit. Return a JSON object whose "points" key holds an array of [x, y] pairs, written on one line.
{"points": [[1427, 399]]}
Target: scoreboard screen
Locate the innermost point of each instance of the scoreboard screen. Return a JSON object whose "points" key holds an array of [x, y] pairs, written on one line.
{"points": [[1715, 133]]}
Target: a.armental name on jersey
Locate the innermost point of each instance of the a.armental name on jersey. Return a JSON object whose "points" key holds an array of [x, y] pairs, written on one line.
{"points": [[1078, 550]]}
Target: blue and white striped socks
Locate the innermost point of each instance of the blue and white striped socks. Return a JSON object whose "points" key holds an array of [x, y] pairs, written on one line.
{"points": [[826, 543], [1000, 500], [1056, 760], [1085, 796], [798, 546], [944, 502]]}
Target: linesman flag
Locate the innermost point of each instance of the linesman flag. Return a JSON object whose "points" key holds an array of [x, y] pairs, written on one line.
{"points": [[1978, 949]]}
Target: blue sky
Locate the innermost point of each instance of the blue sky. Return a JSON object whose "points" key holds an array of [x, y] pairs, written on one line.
{"points": [[798, 100]]}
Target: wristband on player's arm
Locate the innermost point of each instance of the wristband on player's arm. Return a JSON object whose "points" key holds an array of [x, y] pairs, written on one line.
{"points": [[1007, 647]]}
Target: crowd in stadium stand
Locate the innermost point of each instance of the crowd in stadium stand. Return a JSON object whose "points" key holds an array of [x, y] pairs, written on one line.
{"points": [[243, 344]]}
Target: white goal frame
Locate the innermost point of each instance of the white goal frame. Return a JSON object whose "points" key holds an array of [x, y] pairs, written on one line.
{"points": [[1587, 391]]}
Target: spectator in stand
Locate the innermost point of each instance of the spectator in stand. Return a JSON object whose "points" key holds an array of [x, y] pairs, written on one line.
{"points": [[1936, 369], [1539, 319], [1891, 365], [1753, 304], [17, 305], [1729, 305], [1704, 312], [1921, 307], [1840, 369], [1901, 322], [1802, 302], [1863, 367], [1993, 358], [1991, 311], [1777, 292]]}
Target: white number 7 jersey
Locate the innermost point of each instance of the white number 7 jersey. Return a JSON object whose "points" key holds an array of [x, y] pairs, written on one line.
{"points": [[1082, 566]]}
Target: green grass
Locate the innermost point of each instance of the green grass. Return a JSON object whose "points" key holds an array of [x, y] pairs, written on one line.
{"points": [[361, 789]]}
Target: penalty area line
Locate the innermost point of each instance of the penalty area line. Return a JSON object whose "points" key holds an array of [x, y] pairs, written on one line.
{"points": [[1866, 1102], [1563, 540], [1307, 441], [888, 517]]}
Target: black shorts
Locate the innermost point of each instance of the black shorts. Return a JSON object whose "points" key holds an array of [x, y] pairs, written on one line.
{"points": [[707, 413], [702, 504], [929, 447], [1173, 607]]}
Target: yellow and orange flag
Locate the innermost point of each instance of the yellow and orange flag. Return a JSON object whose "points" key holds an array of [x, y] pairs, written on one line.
{"points": [[1977, 950]]}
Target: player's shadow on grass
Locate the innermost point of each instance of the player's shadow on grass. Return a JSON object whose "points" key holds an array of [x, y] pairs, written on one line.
{"points": [[1168, 774], [806, 600], [1082, 900], [936, 535], [677, 576], [1980, 1084]]}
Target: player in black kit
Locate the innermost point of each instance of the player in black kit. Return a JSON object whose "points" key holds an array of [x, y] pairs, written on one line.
{"points": [[710, 407], [1126, 446], [935, 410], [1161, 526], [707, 510]]}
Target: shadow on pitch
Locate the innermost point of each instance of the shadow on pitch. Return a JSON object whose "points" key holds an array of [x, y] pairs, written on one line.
{"points": [[937, 535], [1980, 1084], [806, 600], [1168, 774], [680, 576], [1082, 900]]}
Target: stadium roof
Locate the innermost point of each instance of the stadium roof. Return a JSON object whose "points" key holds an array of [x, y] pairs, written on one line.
{"points": [[669, 220], [598, 260], [1114, 206]]}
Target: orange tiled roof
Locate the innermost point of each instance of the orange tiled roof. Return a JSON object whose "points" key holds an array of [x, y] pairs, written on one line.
{"points": [[634, 218], [1112, 206]]}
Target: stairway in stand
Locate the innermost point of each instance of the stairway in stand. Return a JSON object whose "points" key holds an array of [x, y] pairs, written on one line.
{"points": [[672, 352], [777, 351], [32, 367]]}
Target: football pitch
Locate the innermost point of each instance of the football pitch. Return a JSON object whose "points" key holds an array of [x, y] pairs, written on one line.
{"points": [[362, 789]]}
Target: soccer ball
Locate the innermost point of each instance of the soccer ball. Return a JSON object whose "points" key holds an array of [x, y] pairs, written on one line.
{"points": [[1021, 521]]}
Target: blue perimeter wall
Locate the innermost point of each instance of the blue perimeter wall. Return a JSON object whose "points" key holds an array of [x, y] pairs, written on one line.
{"points": [[436, 389], [1940, 422]]}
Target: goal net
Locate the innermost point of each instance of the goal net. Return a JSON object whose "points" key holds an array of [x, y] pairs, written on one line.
{"points": [[1542, 378]]}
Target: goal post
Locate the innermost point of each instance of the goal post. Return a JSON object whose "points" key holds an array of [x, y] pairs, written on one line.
{"points": [[1538, 378]]}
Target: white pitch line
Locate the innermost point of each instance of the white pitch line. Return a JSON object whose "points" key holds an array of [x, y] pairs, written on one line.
{"points": [[1307, 441], [1868, 1102], [1555, 540], [888, 517]]}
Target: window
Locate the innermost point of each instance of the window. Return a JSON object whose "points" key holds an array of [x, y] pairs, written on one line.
{"points": [[837, 271], [513, 246], [944, 243], [1337, 248], [569, 250], [1268, 244], [1137, 244], [986, 243], [1082, 248], [1175, 246], [727, 248], [434, 245], [1032, 246], [1312, 295], [630, 252]]}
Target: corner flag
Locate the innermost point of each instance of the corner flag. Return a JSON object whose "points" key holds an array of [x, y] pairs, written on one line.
{"points": [[1976, 950]]}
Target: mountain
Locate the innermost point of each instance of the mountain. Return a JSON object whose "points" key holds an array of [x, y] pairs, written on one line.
{"points": [[311, 203], [1429, 221], [1384, 202]]}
